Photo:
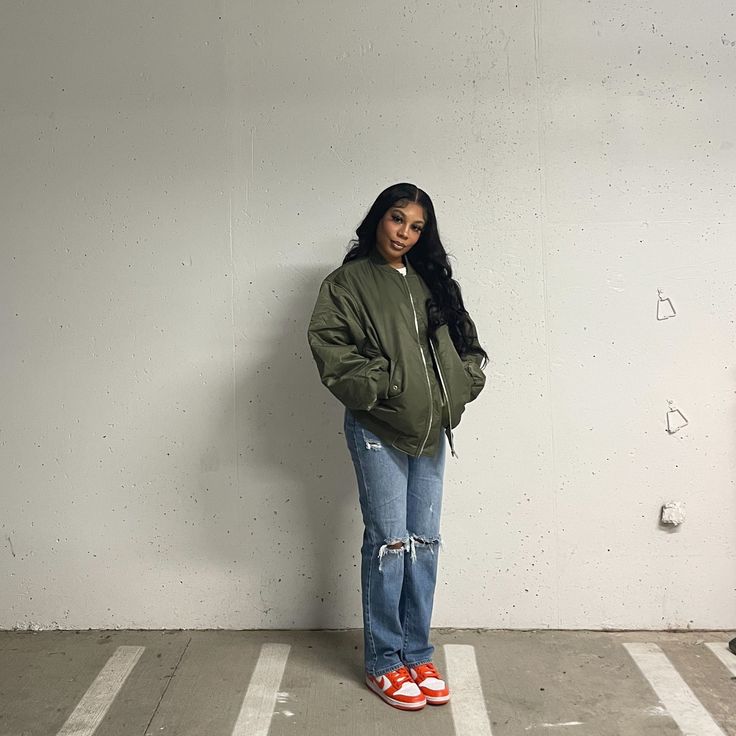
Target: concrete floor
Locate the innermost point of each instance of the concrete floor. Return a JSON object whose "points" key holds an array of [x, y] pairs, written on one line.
{"points": [[184, 683]]}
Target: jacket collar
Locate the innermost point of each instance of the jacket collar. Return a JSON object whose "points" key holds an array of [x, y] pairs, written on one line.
{"points": [[375, 257]]}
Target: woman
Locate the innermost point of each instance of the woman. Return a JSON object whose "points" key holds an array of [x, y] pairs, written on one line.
{"points": [[393, 342]]}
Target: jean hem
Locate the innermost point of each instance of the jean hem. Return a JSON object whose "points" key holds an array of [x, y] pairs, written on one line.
{"points": [[416, 664], [384, 671]]}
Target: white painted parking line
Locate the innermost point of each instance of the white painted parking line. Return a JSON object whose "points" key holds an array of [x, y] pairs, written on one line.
{"points": [[721, 650], [686, 710], [467, 703], [260, 699], [97, 700]]}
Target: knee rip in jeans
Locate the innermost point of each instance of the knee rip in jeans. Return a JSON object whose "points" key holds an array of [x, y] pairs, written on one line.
{"points": [[392, 546], [399, 546], [373, 445], [429, 542]]}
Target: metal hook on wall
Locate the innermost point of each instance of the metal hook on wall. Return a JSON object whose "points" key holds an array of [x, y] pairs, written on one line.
{"points": [[665, 308], [675, 419]]}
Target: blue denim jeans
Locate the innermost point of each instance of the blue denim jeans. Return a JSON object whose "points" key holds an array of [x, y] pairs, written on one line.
{"points": [[401, 501]]}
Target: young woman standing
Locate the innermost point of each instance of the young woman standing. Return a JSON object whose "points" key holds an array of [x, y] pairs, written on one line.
{"points": [[393, 342]]}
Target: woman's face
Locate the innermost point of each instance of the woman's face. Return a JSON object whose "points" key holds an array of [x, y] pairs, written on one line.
{"points": [[399, 230]]}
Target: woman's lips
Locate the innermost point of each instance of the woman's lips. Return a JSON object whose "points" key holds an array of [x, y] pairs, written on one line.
{"points": [[398, 246]]}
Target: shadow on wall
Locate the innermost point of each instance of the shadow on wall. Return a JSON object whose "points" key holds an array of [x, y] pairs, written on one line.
{"points": [[274, 541], [301, 529], [271, 540]]}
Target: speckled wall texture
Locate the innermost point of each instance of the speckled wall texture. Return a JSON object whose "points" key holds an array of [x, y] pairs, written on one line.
{"points": [[177, 178]]}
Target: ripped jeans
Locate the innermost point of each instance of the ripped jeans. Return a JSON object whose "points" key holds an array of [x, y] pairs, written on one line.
{"points": [[401, 501]]}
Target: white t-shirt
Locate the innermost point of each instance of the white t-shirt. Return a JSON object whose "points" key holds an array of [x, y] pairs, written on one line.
{"points": [[402, 270]]}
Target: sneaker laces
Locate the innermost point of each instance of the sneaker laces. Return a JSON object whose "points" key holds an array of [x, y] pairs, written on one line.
{"points": [[427, 670], [398, 676]]}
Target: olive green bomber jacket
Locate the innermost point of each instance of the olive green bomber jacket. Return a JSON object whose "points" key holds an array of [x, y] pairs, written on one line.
{"points": [[368, 336]]}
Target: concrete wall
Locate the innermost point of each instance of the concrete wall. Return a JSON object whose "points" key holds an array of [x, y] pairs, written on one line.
{"points": [[177, 178]]}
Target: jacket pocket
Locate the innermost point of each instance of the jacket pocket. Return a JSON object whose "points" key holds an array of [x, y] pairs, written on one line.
{"points": [[396, 385], [476, 377], [460, 392], [458, 382], [406, 405]]}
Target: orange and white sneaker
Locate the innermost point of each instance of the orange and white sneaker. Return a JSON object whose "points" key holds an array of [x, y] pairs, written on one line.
{"points": [[398, 689], [429, 681]]}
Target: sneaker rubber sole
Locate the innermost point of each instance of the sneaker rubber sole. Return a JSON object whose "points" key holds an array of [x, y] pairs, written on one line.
{"points": [[441, 700], [395, 703]]}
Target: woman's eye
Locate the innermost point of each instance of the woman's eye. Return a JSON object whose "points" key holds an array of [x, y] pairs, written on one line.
{"points": [[396, 218], [417, 228]]}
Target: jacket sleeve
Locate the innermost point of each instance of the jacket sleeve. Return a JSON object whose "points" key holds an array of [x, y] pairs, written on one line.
{"points": [[473, 362], [349, 365]]}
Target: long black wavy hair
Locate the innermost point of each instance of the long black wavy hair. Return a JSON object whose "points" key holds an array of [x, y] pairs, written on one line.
{"points": [[429, 259]]}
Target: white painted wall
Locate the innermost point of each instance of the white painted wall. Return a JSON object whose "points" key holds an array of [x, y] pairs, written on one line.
{"points": [[177, 178]]}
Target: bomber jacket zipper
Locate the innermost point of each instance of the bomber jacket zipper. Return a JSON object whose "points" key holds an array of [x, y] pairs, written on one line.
{"points": [[447, 398], [424, 361]]}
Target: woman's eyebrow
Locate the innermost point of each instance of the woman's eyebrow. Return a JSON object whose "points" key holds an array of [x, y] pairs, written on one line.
{"points": [[401, 212]]}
